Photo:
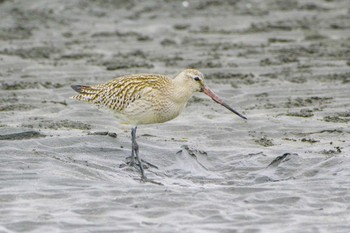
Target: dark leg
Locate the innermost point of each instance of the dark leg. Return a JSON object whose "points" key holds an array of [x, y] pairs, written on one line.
{"points": [[135, 152], [132, 157]]}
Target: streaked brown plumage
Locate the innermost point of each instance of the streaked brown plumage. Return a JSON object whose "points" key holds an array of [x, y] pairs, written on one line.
{"points": [[147, 98]]}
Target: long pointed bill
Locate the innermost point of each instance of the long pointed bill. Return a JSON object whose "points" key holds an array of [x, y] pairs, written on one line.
{"points": [[217, 99]]}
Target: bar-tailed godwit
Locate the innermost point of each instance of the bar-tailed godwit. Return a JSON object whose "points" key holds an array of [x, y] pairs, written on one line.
{"points": [[147, 99]]}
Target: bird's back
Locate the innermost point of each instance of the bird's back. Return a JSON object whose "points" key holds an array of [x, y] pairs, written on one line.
{"points": [[137, 98]]}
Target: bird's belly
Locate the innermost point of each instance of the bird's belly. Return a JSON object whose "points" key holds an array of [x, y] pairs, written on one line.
{"points": [[150, 113]]}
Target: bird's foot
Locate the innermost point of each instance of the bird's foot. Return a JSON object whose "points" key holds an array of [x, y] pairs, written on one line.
{"points": [[132, 163], [145, 165], [149, 164], [144, 179]]}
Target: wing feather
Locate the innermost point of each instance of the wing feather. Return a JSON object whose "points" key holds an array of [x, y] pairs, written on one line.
{"points": [[119, 93]]}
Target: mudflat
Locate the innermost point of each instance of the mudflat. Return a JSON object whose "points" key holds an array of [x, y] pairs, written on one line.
{"points": [[283, 64]]}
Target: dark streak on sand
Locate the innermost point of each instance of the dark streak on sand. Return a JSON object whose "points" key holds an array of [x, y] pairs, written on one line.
{"points": [[21, 135]]}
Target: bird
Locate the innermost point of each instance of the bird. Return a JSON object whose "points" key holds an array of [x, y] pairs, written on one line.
{"points": [[142, 99]]}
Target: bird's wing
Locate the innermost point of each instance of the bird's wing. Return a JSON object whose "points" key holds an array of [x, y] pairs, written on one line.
{"points": [[118, 93]]}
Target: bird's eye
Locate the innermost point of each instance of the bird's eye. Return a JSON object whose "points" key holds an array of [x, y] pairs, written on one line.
{"points": [[197, 78]]}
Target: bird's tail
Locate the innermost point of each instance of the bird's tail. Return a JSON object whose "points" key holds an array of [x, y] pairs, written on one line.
{"points": [[86, 93], [79, 88]]}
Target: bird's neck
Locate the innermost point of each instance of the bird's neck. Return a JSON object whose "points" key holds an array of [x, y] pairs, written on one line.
{"points": [[181, 92]]}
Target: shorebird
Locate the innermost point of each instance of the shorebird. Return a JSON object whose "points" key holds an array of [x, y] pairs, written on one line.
{"points": [[147, 99]]}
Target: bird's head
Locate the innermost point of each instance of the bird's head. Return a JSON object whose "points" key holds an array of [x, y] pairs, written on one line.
{"points": [[194, 81]]}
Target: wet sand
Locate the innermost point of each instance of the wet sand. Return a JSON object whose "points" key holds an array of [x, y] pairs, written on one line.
{"points": [[284, 64]]}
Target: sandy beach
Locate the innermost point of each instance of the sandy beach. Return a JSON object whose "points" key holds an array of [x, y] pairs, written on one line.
{"points": [[283, 64]]}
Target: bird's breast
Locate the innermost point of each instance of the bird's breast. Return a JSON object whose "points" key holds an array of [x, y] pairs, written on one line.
{"points": [[152, 109]]}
